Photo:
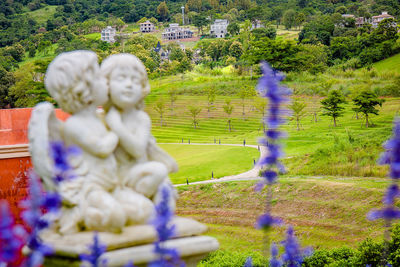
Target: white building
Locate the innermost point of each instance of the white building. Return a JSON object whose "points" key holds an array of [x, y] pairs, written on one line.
{"points": [[219, 28], [257, 25], [174, 32], [377, 19], [108, 34], [147, 27]]}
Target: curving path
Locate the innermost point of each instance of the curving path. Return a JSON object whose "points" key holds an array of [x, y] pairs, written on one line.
{"points": [[249, 175]]}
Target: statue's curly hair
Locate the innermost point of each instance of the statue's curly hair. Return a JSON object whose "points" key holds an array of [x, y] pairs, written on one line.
{"points": [[69, 77]]}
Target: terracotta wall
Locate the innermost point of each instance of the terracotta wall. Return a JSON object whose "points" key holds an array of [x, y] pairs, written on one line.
{"points": [[14, 157]]}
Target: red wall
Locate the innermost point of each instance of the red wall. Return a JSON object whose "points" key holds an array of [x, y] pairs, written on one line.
{"points": [[13, 171]]}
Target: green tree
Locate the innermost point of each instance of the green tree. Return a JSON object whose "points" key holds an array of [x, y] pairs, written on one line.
{"points": [[228, 109], [200, 21], [236, 49], [365, 103], [160, 109], [7, 80], [298, 109], [245, 92], [173, 96], [233, 29], [332, 105], [260, 104], [194, 112], [289, 18], [210, 99], [163, 11]]}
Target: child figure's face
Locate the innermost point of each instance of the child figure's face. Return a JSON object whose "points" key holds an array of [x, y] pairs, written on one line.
{"points": [[125, 87], [99, 85]]}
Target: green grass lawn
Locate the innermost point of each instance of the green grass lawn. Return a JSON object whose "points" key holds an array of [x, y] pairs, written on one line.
{"points": [[93, 36], [43, 14], [196, 162], [389, 64], [325, 213]]}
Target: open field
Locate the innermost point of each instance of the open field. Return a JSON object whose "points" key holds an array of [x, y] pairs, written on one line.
{"points": [[43, 14], [197, 162], [389, 64], [325, 212]]}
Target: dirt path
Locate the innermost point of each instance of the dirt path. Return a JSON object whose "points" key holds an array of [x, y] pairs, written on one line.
{"points": [[249, 175]]}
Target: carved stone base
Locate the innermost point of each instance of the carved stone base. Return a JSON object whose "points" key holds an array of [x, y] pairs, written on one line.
{"points": [[132, 244]]}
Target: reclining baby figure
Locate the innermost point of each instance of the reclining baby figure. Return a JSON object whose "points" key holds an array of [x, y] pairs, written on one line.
{"points": [[120, 167]]}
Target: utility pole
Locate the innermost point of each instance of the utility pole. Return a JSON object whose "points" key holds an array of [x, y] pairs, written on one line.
{"points": [[183, 15]]}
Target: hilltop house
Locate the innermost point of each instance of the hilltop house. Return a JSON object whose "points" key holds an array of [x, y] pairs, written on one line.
{"points": [[377, 19], [147, 27], [174, 32], [219, 28], [108, 34]]}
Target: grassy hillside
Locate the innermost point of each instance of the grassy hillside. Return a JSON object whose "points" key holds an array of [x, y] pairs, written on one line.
{"points": [[43, 14], [389, 64], [325, 213]]}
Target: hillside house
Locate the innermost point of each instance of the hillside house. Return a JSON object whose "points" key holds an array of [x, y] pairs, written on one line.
{"points": [[257, 25], [377, 19], [164, 54], [147, 27], [108, 34], [219, 28], [174, 32]]}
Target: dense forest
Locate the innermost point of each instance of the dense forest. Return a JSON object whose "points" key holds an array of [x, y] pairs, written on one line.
{"points": [[325, 37]]}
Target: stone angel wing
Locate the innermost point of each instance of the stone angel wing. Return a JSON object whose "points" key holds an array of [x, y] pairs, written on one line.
{"points": [[44, 128]]}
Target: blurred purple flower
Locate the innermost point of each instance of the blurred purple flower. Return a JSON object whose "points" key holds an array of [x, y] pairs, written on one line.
{"points": [[269, 87], [11, 236], [294, 254], [265, 221], [392, 154], [60, 155], [387, 213], [391, 193], [274, 261], [36, 205], [165, 231], [95, 251], [248, 262]]}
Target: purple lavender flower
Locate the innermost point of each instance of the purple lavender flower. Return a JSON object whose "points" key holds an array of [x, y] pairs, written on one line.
{"points": [[294, 254], [11, 236], [392, 154], [248, 262], [274, 261], [265, 221], [35, 205], [96, 250], [269, 87], [387, 213], [162, 224], [60, 154]]}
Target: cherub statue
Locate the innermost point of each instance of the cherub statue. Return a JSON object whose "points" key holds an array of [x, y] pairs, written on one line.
{"points": [[114, 178], [128, 86]]}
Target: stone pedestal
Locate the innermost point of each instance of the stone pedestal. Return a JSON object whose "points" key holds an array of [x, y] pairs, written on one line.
{"points": [[134, 243]]}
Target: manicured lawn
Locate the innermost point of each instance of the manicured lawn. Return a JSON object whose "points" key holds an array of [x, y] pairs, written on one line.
{"points": [[196, 162]]}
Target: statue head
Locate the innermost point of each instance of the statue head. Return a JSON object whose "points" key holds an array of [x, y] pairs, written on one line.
{"points": [[127, 80], [72, 80]]}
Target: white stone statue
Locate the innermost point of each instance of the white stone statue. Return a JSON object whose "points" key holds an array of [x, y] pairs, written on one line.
{"points": [[120, 167]]}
